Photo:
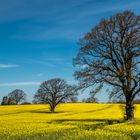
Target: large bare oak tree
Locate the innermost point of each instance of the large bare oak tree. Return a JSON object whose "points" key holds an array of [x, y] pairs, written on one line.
{"points": [[54, 91], [110, 54]]}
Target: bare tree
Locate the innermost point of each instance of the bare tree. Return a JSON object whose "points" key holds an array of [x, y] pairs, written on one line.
{"points": [[90, 99], [54, 91], [17, 96], [74, 99], [110, 54]]}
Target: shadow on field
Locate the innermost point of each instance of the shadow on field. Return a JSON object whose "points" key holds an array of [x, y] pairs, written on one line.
{"points": [[24, 111], [13, 113], [106, 121], [45, 112], [87, 124]]}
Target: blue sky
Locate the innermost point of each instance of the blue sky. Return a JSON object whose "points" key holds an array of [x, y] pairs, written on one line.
{"points": [[38, 38]]}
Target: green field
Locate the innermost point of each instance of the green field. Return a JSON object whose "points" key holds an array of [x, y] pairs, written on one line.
{"points": [[70, 122]]}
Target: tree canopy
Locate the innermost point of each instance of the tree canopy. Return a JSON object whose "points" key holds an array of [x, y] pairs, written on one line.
{"points": [[17, 96], [54, 91], [110, 54]]}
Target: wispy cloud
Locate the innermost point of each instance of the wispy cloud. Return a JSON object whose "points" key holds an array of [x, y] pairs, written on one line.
{"points": [[8, 66], [20, 84], [21, 10], [40, 62], [72, 19]]}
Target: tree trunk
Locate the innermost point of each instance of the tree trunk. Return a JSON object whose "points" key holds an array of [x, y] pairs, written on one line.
{"points": [[129, 110], [52, 108]]}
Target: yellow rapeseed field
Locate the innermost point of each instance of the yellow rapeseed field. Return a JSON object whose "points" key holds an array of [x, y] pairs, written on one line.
{"points": [[79, 121]]}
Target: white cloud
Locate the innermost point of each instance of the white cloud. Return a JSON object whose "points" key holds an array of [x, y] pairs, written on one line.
{"points": [[20, 84], [8, 66]]}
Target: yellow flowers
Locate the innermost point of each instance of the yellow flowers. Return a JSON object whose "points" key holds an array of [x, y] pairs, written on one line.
{"points": [[70, 122]]}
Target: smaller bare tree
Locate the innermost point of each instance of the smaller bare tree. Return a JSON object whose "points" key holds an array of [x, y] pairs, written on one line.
{"points": [[91, 98], [74, 99], [54, 91], [17, 96]]}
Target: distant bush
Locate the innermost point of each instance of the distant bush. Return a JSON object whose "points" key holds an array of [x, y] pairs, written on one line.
{"points": [[90, 100], [26, 103], [137, 101], [7, 101]]}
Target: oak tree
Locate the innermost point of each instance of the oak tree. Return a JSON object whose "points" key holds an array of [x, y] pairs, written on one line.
{"points": [[54, 91], [110, 54]]}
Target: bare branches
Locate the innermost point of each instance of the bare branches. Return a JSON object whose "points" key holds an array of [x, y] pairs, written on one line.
{"points": [[110, 53], [55, 91], [17, 96]]}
